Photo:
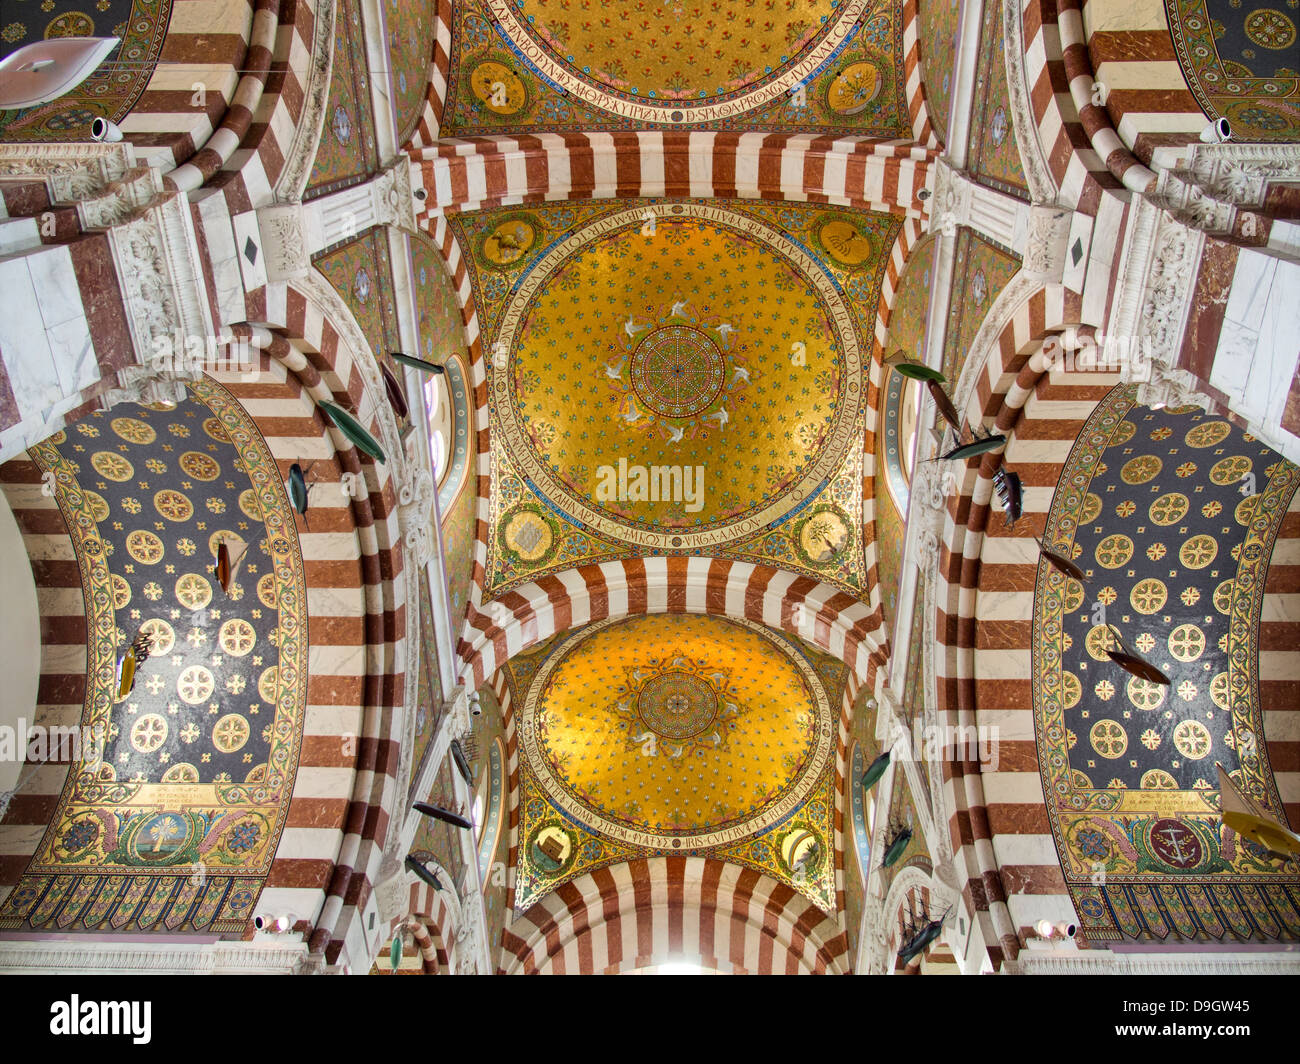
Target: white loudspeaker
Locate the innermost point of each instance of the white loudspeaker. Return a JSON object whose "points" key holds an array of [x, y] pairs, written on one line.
{"points": [[1217, 132], [104, 130]]}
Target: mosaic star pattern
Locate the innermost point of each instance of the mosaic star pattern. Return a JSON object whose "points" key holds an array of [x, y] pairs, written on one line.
{"points": [[684, 733]]}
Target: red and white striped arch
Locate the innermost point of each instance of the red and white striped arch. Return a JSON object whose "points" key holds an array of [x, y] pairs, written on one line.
{"points": [[825, 616], [479, 172], [997, 820], [253, 62], [673, 909], [433, 924], [352, 556]]}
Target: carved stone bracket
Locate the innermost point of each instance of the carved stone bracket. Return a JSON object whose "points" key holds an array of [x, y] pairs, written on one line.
{"points": [[415, 513], [1045, 242]]}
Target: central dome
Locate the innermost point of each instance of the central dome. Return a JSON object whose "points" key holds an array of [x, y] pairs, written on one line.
{"points": [[677, 344], [676, 730]]}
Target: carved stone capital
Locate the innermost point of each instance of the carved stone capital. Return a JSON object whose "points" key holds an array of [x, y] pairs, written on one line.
{"points": [[1045, 242], [284, 241], [158, 268], [393, 197]]}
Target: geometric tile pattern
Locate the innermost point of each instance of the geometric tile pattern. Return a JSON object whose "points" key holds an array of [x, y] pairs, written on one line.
{"points": [[179, 820], [1172, 515]]}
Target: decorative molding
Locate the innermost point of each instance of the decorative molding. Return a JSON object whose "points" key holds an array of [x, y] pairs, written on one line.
{"points": [[1107, 962], [394, 200], [415, 513], [71, 171], [1215, 184], [159, 269], [1046, 239], [1024, 123], [301, 153], [53, 956]]}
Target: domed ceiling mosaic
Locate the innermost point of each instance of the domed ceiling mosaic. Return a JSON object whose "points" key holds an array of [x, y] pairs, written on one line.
{"points": [[674, 377], [172, 820], [802, 65], [1172, 516], [676, 733]]}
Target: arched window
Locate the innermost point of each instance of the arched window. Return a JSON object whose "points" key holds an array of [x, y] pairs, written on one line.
{"points": [[490, 806], [862, 813]]}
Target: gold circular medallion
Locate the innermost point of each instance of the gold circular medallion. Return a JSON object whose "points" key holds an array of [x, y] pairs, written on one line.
{"points": [[149, 732], [248, 502], [98, 504], [230, 733], [1071, 689], [1192, 739], [1073, 597], [1099, 640], [266, 591], [508, 242], [528, 535], [112, 466], [195, 684], [1245, 511], [1220, 691], [1108, 738], [1141, 469], [1148, 596], [1123, 433], [162, 636], [824, 536], [121, 591], [498, 88], [1145, 695], [193, 591], [181, 772], [845, 244], [216, 430], [1230, 470], [853, 88], [237, 637], [1223, 597], [1113, 551], [200, 466], [268, 684], [1169, 509], [145, 547], [1186, 642], [1270, 28], [1157, 779], [133, 430], [1207, 434], [173, 505], [1198, 552]]}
